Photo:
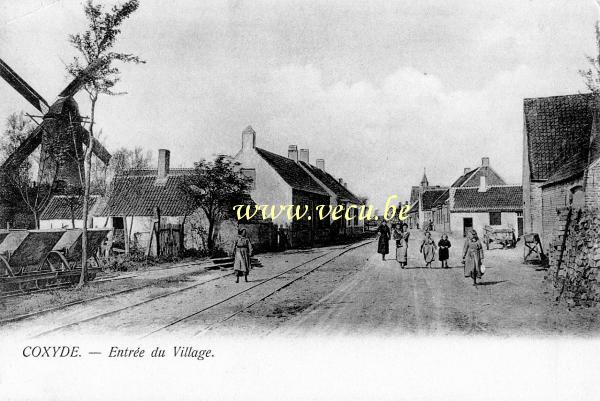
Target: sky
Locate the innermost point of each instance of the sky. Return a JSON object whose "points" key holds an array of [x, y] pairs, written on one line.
{"points": [[379, 89]]}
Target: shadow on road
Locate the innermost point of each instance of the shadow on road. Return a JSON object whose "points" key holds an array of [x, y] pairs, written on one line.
{"points": [[491, 282]]}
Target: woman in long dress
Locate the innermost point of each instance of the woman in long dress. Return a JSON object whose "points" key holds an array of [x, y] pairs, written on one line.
{"points": [[472, 257], [444, 251], [401, 236], [428, 248], [383, 244], [242, 249]]}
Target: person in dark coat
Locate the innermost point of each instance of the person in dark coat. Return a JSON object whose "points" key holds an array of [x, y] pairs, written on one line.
{"points": [[384, 234], [444, 250]]}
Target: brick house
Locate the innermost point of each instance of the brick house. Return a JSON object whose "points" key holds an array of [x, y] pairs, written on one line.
{"points": [[560, 159], [292, 180]]}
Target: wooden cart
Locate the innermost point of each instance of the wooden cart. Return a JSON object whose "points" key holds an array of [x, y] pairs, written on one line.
{"points": [[505, 237]]}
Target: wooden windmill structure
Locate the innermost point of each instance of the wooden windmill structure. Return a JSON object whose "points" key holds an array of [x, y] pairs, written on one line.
{"points": [[60, 134]]}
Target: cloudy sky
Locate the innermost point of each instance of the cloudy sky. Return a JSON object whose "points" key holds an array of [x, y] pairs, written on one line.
{"points": [[379, 89]]}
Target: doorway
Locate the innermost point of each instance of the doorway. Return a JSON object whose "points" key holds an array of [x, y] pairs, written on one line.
{"points": [[467, 225]]}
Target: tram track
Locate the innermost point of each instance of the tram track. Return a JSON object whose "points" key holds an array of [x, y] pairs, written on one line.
{"points": [[161, 296], [246, 307], [93, 299]]}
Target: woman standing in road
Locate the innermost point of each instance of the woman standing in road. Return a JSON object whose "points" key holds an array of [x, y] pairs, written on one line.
{"points": [[401, 236], [472, 257], [428, 248], [384, 234], [242, 250], [444, 252]]}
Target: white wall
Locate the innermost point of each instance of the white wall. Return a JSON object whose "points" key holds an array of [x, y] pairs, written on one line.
{"points": [[269, 187], [59, 223], [508, 219]]}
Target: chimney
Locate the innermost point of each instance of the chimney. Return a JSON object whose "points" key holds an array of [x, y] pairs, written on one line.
{"points": [[248, 138], [321, 164], [345, 184], [482, 184], [341, 181], [293, 152], [304, 155], [485, 162], [467, 170], [164, 158]]}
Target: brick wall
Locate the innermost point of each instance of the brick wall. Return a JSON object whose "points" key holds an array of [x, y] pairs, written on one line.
{"points": [[553, 197], [574, 268], [592, 190]]}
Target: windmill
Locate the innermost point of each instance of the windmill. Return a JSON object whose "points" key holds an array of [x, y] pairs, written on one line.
{"points": [[60, 134]]}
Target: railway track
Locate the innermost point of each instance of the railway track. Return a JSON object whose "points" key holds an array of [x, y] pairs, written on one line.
{"points": [[277, 289], [88, 300], [187, 288]]}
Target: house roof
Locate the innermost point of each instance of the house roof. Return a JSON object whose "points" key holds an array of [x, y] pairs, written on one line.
{"points": [[334, 185], [441, 199], [471, 179], [414, 192], [140, 195], [572, 169], [294, 175], [154, 172], [496, 198], [60, 206], [556, 129], [430, 196]]}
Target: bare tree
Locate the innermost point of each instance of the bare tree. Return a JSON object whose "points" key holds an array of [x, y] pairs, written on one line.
{"points": [[96, 45]]}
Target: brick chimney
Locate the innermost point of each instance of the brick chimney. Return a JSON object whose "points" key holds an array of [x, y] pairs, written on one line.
{"points": [[293, 152], [164, 158], [482, 184], [321, 164], [303, 155], [467, 170], [485, 162], [248, 138]]}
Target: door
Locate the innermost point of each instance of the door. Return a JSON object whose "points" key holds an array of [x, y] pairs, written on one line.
{"points": [[467, 225], [519, 226]]}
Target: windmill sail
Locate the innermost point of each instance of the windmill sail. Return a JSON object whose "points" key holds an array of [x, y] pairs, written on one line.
{"points": [[23, 87]]}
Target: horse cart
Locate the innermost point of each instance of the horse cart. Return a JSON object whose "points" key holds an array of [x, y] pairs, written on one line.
{"points": [[505, 237], [34, 259]]}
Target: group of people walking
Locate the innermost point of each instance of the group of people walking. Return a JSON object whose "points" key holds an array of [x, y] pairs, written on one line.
{"points": [[472, 250]]}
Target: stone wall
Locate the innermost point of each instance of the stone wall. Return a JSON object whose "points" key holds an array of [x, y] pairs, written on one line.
{"points": [[574, 256]]}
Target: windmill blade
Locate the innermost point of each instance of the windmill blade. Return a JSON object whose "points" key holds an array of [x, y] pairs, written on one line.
{"points": [[25, 149], [99, 150], [81, 79], [23, 87]]}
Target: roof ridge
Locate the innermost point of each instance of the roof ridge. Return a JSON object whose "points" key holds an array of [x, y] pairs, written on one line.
{"points": [[557, 96]]}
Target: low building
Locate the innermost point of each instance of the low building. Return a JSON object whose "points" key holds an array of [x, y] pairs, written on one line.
{"points": [[556, 138], [292, 180], [67, 212], [422, 200], [137, 198], [477, 207]]}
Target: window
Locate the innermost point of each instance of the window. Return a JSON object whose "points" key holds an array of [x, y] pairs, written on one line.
{"points": [[495, 218], [251, 174]]}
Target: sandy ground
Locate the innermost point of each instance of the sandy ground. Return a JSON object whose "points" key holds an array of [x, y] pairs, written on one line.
{"points": [[361, 294], [355, 292]]}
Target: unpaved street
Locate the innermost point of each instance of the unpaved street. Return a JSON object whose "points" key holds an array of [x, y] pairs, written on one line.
{"points": [[333, 290]]}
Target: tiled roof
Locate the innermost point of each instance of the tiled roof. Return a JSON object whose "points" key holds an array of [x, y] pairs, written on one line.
{"points": [[556, 129], [441, 199], [291, 172], [471, 179], [154, 172], [430, 196], [59, 208], [414, 193], [496, 198], [334, 185], [572, 169], [139, 195]]}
